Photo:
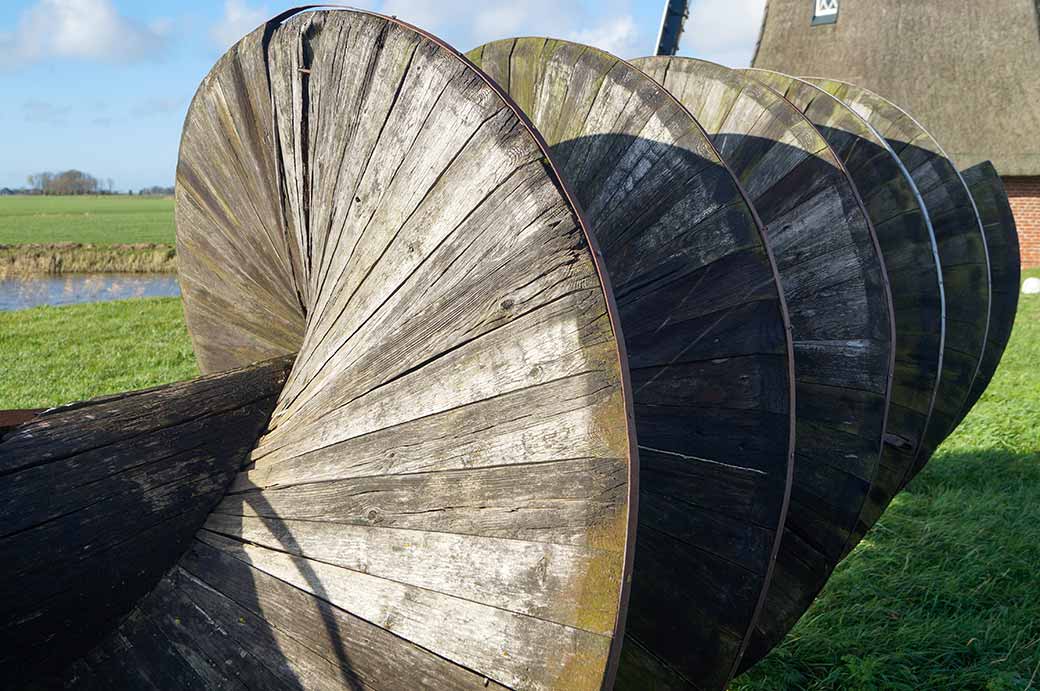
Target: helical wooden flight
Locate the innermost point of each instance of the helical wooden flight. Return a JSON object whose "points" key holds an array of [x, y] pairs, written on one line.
{"points": [[1005, 269], [908, 248], [837, 291], [450, 458], [707, 345], [532, 369], [962, 253], [441, 497]]}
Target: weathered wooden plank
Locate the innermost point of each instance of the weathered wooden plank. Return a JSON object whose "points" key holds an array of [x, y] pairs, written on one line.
{"points": [[277, 613], [243, 304], [998, 224], [167, 664], [538, 582], [481, 638], [253, 651], [93, 516], [506, 501], [117, 668], [456, 339], [841, 312], [460, 438], [264, 633], [961, 245], [705, 329]]}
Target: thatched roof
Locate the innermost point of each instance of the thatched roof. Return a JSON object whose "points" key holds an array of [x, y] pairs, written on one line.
{"points": [[969, 71]]}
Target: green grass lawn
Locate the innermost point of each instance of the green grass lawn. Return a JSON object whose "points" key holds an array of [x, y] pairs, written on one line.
{"points": [[55, 355], [86, 219], [944, 593]]}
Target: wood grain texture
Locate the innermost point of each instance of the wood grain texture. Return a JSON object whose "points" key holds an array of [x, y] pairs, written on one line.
{"points": [[1005, 269], [213, 604], [908, 249], [707, 343], [962, 253], [99, 499], [836, 289], [445, 488], [240, 295]]}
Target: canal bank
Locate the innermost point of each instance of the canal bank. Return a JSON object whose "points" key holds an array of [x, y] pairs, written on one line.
{"points": [[67, 258]]}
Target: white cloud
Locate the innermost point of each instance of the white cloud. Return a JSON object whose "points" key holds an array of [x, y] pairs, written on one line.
{"points": [[618, 36], [463, 23], [723, 31], [82, 29], [467, 24], [532, 18], [239, 19]]}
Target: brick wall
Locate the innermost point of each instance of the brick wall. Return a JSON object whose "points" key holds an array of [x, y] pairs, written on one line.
{"points": [[1024, 194]]}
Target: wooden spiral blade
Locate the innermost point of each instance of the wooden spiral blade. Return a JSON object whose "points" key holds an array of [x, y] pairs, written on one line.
{"points": [[449, 460], [836, 289], [99, 499], [962, 251], [443, 495], [705, 330], [1005, 265], [911, 260], [431, 478]]}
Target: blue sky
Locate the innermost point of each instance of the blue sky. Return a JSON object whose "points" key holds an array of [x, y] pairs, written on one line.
{"points": [[103, 85]]}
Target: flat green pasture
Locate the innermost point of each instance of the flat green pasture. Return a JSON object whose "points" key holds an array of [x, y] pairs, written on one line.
{"points": [[110, 219], [54, 355]]}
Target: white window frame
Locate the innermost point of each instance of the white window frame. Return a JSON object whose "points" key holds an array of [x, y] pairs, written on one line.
{"points": [[825, 12]]}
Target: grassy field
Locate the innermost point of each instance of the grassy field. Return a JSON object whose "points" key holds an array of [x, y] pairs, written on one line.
{"points": [[54, 355], [944, 593], [86, 219]]}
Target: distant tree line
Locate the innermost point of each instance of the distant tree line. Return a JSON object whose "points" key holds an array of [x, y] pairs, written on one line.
{"points": [[78, 182], [69, 182], [156, 191]]}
